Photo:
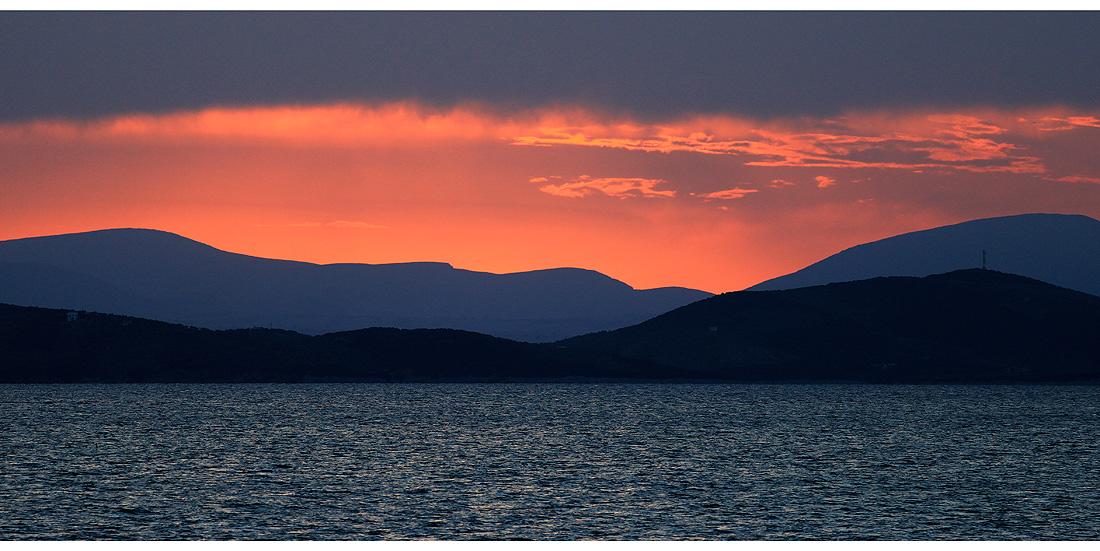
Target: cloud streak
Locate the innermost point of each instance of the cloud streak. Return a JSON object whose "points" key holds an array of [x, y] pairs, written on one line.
{"points": [[396, 123], [613, 187], [988, 142], [735, 193], [953, 142]]}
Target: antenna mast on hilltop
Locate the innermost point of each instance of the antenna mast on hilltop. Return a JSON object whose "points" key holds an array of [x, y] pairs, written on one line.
{"points": [[983, 259]]}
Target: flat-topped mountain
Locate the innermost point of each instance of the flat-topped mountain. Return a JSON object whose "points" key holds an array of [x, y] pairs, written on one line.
{"points": [[1055, 248], [159, 275], [964, 326]]}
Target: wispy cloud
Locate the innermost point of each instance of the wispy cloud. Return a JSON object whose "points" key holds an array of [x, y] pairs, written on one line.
{"points": [[825, 181], [1053, 124], [945, 141], [986, 142], [335, 124], [735, 193], [614, 187], [1077, 179]]}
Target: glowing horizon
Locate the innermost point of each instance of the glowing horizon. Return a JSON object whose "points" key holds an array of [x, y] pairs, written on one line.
{"points": [[714, 201]]}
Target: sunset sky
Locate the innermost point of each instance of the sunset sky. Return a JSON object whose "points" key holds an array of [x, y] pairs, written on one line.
{"points": [[704, 150]]}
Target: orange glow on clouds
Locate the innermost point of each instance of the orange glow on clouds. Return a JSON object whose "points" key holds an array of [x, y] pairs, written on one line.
{"points": [[735, 193], [328, 125], [615, 187], [951, 141], [717, 202]]}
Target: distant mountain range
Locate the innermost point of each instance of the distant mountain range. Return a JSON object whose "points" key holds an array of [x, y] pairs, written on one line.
{"points": [[964, 326], [1056, 248], [163, 276], [969, 325]]}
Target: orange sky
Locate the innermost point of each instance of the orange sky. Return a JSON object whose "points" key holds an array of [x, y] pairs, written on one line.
{"points": [[715, 201]]}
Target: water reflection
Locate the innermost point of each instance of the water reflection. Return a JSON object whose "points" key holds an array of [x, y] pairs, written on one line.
{"points": [[549, 462]]}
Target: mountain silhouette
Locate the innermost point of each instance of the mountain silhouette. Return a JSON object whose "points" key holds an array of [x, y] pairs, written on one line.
{"points": [[159, 275], [1056, 248], [964, 326], [40, 345], [967, 326]]}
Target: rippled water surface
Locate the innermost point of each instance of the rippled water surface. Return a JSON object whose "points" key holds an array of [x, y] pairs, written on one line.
{"points": [[549, 461]]}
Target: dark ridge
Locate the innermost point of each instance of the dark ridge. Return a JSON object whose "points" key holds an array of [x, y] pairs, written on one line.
{"points": [[39, 345], [964, 326], [968, 326]]}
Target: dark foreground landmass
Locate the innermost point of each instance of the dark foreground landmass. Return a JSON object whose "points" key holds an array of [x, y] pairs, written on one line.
{"points": [[964, 326], [39, 345]]}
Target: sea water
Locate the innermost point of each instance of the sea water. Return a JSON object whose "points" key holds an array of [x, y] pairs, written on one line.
{"points": [[549, 461]]}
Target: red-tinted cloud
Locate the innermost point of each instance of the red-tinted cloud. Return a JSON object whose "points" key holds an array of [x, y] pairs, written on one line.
{"points": [[614, 187], [936, 141], [735, 193], [1054, 124], [400, 123]]}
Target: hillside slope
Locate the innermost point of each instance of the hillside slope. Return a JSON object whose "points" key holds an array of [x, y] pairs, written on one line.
{"points": [[963, 326], [1056, 248]]}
